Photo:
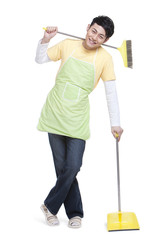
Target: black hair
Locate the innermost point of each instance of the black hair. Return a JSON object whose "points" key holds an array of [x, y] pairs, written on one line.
{"points": [[106, 23]]}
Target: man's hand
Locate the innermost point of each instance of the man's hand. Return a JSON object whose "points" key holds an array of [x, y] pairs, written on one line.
{"points": [[118, 130], [49, 33]]}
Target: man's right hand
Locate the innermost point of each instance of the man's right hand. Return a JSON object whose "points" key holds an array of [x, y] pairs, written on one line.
{"points": [[49, 33]]}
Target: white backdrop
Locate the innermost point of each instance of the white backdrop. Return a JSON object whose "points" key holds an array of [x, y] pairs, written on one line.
{"points": [[27, 171]]}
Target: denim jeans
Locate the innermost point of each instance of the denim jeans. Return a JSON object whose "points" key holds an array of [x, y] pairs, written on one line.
{"points": [[67, 155]]}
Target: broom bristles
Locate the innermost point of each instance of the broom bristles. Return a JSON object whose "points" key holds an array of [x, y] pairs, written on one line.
{"points": [[129, 53], [126, 52]]}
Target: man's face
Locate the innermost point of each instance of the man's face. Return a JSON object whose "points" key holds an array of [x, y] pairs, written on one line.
{"points": [[95, 37]]}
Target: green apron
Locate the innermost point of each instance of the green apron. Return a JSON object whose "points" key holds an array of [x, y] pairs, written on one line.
{"points": [[66, 111]]}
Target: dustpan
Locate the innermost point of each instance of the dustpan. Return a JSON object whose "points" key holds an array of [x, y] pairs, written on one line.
{"points": [[121, 221]]}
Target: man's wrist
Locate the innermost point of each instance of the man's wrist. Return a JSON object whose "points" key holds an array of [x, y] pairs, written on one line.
{"points": [[45, 40]]}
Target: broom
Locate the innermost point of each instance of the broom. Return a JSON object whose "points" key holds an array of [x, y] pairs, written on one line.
{"points": [[119, 221], [125, 49]]}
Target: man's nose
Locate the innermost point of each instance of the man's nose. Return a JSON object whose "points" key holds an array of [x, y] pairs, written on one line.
{"points": [[95, 37]]}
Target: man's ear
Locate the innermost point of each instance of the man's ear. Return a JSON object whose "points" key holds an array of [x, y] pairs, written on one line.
{"points": [[88, 27], [106, 40]]}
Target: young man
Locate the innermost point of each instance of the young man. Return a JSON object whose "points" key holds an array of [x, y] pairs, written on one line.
{"points": [[65, 115]]}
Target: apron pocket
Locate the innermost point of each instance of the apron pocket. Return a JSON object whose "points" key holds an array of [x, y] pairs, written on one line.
{"points": [[71, 92]]}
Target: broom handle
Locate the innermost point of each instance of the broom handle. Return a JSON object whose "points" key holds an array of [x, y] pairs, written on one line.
{"points": [[83, 39], [118, 176]]}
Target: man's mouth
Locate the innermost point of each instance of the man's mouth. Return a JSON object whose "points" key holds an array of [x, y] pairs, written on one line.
{"points": [[91, 41]]}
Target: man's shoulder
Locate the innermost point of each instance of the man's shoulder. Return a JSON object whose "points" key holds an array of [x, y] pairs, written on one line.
{"points": [[69, 41], [104, 53]]}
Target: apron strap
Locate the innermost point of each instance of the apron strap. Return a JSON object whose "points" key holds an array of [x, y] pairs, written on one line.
{"points": [[94, 60], [72, 53]]}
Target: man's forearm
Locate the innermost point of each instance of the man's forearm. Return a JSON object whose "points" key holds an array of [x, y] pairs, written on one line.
{"points": [[112, 102], [41, 53]]}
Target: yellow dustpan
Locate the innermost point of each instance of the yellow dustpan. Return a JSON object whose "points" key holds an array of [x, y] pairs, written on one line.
{"points": [[121, 221]]}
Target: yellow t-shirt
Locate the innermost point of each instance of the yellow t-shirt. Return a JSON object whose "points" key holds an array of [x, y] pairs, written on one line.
{"points": [[104, 68]]}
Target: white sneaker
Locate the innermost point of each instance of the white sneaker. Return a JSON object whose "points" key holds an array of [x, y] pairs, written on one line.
{"points": [[50, 218]]}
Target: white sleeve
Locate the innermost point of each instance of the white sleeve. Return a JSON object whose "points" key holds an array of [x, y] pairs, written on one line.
{"points": [[41, 53], [112, 102]]}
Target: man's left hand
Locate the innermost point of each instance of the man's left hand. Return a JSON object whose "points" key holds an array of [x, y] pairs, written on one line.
{"points": [[117, 130]]}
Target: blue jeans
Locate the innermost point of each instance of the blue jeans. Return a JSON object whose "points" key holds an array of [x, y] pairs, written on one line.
{"points": [[67, 155]]}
